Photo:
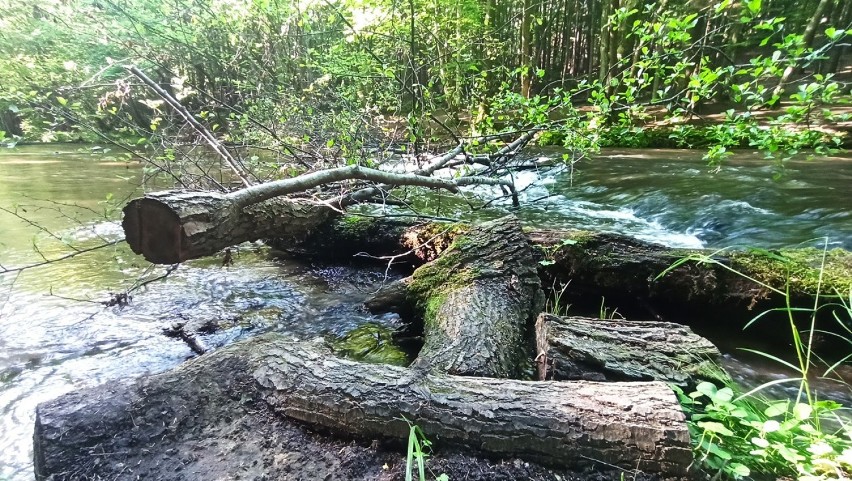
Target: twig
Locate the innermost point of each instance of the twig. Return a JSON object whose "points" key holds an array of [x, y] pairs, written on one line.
{"points": [[62, 258], [184, 113]]}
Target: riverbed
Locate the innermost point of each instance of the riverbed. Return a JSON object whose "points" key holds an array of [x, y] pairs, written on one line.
{"points": [[57, 336]]}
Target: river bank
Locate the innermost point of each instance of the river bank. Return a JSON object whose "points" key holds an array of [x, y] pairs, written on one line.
{"points": [[54, 345]]}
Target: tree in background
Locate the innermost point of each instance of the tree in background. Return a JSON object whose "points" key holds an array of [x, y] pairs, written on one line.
{"points": [[323, 83]]}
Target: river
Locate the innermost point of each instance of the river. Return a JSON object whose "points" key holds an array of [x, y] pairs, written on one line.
{"points": [[56, 336]]}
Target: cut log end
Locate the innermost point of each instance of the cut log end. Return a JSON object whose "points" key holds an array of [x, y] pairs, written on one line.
{"points": [[153, 230]]}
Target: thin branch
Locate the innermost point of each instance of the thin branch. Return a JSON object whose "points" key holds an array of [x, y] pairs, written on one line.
{"points": [[61, 258], [259, 193], [202, 131]]}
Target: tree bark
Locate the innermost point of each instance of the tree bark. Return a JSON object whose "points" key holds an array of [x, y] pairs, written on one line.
{"points": [[525, 59], [807, 41], [174, 226], [477, 299], [611, 265], [171, 227], [196, 414], [617, 350], [614, 265]]}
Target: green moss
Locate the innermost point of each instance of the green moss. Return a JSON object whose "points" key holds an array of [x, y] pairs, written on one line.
{"points": [[356, 225], [430, 282], [707, 370], [801, 267], [572, 239], [431, 307], [578, 237], [444, 272], [370, 343]]}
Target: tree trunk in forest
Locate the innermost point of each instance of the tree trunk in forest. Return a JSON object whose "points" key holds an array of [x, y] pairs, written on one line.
{"points": [[807, 42], [526, 49], [213, 415], [10, 122], [842, 17], [604, 35], [617, 350]]}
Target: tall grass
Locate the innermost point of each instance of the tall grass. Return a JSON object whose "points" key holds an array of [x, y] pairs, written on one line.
{"points": [[737, 435]]}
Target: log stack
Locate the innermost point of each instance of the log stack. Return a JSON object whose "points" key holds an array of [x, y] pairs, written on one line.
{"points": [[602, 399]]}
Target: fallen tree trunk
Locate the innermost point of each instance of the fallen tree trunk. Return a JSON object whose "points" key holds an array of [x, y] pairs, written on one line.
{"points": [[204, 417], [477, 299], [608, 263], [171, 227], [174, 226], [623, 270], [618, 350]]}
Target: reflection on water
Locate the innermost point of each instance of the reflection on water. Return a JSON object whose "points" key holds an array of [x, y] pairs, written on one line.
{"points": [[55, 337]]}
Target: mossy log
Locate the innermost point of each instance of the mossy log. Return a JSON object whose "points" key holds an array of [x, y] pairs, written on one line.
{"points": [[627, 272], [477, 300], [606, 262], [212, 417], [706, 289], [618, 350]]}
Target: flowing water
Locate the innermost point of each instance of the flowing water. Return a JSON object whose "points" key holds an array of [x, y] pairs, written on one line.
{"points": [[56, 337]]}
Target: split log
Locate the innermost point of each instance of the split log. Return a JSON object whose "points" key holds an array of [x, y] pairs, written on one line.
{"points": [[211, 415], [618, 350]]}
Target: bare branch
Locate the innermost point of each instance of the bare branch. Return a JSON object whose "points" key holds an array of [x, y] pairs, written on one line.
{"points": [[202, 131], [7, 270]]}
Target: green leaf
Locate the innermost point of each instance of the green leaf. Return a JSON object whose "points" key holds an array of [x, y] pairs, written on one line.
{"points": [[802, 411], [706, 388], [62, 100], [753, 6], [738, 470], [759, 442], [714, 427], [771, 425], [723, 5], [724, 395], [776, 409], [718, 451]]}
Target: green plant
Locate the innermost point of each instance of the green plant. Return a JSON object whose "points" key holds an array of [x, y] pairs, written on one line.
{"points": [[740, 435], [736, 435], [418, 447], [554, 304], [605, 312]]}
